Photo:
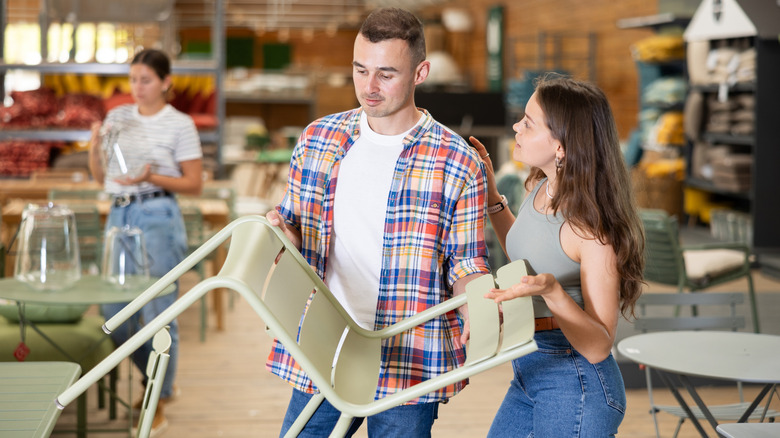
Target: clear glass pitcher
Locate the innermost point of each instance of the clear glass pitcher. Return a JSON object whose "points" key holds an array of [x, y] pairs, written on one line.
{"points": [[125, 261], [47, 256]]}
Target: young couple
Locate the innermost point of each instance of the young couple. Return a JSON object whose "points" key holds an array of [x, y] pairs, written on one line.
{"points": [[388, 206]]}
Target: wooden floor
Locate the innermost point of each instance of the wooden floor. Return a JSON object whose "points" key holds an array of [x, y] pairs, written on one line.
{"points": [[226, 391]]}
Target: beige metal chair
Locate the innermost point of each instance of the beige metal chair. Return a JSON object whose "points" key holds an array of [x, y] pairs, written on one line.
{"points": [[342, 358], [715, 311]]}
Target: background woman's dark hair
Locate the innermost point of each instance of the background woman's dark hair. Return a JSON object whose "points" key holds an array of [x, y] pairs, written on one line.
{"points": [[394, 23], [593, 186], [154, 59]]}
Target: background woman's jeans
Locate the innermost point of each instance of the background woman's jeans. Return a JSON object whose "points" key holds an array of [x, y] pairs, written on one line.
{"points": [[166, 244], [557, 393]]}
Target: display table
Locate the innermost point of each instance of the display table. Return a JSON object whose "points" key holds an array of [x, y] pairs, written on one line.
{"points": [[733, 356], [27, 394], [216, 213], [83, 342]]}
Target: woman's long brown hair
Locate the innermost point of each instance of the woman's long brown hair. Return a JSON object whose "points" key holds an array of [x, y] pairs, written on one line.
{"points": [[593, 188]]}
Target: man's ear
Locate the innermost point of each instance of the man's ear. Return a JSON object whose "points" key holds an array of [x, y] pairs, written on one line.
{"points": [[421, 72]]}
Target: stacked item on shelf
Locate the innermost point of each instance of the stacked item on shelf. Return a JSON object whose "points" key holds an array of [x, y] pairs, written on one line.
{"points": [[723, 63], [732, 171], [23, 158], [732, 116], [662, 90], [658, 183], [42, 108]]}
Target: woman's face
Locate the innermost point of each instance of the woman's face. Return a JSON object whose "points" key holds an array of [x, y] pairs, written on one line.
{"points": [[535, 145], [146, 87]]}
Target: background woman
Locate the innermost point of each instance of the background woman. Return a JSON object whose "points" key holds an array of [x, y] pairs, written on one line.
{"points": [[160, 155], [580, 233]]}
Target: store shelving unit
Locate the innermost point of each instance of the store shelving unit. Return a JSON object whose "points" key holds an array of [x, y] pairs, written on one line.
{"points": [[720, 23], [213, 67]]}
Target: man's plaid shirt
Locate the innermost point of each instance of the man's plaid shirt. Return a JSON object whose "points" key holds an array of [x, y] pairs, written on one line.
{"points": [[433, 237]]}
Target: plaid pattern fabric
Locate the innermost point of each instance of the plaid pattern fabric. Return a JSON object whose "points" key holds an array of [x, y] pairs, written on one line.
{"points": [[434, 236]]}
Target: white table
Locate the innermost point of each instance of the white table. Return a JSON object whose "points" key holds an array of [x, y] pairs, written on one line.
{"points": [[749, 430], [733, 356]]}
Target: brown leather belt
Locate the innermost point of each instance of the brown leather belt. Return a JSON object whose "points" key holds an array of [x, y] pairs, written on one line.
{"points": [[546, 323]]}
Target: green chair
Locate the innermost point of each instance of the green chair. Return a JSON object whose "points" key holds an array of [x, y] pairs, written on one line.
{"points": [[196, 235], [82, 194], [298, 309], [61, 333], [88, 223], [90, 233], [693, 268], [709, 311]]}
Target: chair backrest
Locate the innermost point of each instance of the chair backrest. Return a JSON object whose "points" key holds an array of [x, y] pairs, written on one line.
{"points": [[83, 194], [90, 233], [288, 289], [697, 318], [193, 224], [156, 369], [663, 258]]}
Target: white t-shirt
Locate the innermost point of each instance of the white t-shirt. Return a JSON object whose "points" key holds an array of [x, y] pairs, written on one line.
{"points": [[359, 211], [162, 140]]}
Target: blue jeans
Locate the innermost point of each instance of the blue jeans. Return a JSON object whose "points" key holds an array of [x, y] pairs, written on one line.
{"points": [[407, 421], [557, 393], [162, 225]]}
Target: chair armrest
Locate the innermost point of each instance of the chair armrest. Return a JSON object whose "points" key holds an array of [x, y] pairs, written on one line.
{"points": [[419, 318]]}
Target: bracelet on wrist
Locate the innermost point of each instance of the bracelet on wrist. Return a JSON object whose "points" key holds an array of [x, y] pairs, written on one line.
{"points": [[493, 209]]}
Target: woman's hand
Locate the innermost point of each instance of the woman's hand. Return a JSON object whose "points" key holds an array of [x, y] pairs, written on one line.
{"points": [[141, 177], [492, 190], [529, 285]]}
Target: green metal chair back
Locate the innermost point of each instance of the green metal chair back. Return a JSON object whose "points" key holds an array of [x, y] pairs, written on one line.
{"points": [[667, 260]]}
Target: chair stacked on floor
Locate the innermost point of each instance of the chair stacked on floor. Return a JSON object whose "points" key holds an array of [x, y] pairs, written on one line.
{"points": [[342, 358], [693, 268], [713, 311]]}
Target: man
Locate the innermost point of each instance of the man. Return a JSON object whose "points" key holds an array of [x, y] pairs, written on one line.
{"points": [[388, 206]]}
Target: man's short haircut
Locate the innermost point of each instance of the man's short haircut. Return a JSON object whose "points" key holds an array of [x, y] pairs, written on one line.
{"points": [[394, 23]]}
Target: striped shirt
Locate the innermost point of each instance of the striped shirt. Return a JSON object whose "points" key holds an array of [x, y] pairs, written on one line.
{"points": [[433, 237], [132, 140]]}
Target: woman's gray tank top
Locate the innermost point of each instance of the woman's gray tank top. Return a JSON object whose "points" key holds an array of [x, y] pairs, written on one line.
{"points": [[535, 237]]}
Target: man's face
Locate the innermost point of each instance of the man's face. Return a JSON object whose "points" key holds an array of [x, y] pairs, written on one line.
{"points": [[383, 75]]}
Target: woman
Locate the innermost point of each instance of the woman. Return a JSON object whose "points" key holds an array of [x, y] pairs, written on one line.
{"points": [[580, 233], [158, 154]]}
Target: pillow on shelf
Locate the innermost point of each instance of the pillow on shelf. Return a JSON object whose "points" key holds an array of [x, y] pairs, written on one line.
{"points": [[43, 313]]}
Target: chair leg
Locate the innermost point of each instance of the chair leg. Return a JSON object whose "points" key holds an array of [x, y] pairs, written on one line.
{"points": [[305, 415], [753, 305], [340, 430], [679, 425], [81, 416], [653, 410], [201, 268], [203, 318]]}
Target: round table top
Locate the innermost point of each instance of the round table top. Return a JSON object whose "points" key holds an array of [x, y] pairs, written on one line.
{"points": [[90, 289], [738, 356]]}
